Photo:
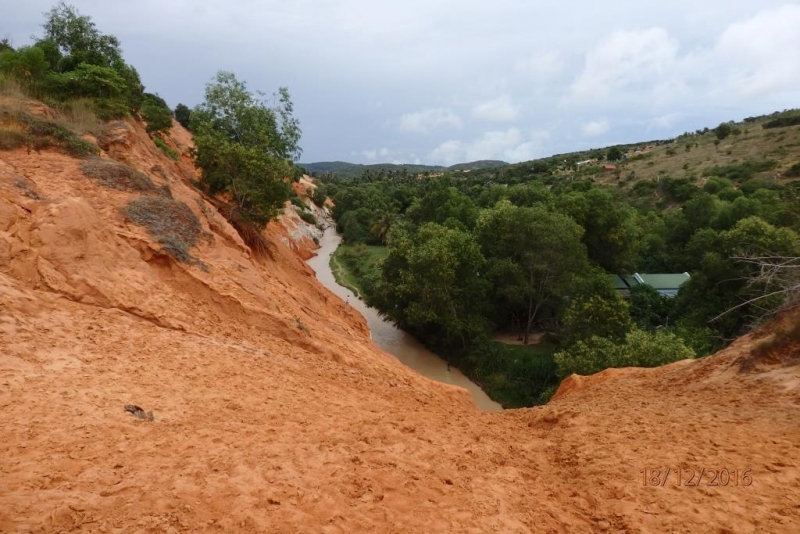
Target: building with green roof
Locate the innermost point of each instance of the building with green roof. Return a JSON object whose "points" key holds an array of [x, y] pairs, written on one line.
{"points": [[666, 284]]}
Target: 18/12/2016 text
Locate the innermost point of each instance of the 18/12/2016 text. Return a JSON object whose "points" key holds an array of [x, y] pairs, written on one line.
{"points": [[696, 477]]}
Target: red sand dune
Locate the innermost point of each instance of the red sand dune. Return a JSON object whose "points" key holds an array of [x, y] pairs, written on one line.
{"points": [[275, 413]]}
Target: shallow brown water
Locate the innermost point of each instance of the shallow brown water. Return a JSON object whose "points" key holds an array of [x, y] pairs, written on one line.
{"points": [[390, 338]]}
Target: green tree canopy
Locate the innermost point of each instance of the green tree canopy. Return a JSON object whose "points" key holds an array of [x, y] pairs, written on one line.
{"points": [[245, 147], [533, 256], [432, 281]]}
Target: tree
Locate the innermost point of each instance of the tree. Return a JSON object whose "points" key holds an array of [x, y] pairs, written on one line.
{"points": [[648, 308], [612, 236], [156, 113], [72, 41], [723, 130], [639, 349], [27, 65], [244, 147], [597, 315], [79, 40], [721, 284], [614, 154], [533, 254], [432, 279], [183, 115]]}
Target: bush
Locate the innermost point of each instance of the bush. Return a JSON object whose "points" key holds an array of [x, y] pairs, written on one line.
{"points": [[11, 139], [308, 217], [794, 171], [183, 115], [171, 223], [156, 114], [723, 130], [640, 349], [594, 316], [783, 122], [117, 175], [22, 129], [169, 151]]}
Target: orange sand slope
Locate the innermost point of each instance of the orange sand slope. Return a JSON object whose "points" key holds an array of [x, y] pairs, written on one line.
{"points": [[275, 413]]}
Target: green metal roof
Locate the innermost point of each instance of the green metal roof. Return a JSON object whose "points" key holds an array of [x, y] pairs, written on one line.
{"points": [[665, 281]]}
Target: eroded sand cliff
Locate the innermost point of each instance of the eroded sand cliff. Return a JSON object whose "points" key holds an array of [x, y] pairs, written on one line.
{"points": [[275, 413]]}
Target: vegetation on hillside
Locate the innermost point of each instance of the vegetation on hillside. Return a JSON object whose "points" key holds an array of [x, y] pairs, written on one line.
{"points": [[530, 247], [244, 147], [341, 169]]}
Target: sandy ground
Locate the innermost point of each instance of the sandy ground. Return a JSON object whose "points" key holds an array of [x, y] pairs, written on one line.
{"points": [[275, 413]]}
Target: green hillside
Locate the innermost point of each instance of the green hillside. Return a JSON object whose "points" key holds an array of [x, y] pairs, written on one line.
{"points": [[347, 170]]}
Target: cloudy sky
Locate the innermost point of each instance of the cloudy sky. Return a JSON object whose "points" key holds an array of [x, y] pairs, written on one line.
{"points": [[446, 81]]}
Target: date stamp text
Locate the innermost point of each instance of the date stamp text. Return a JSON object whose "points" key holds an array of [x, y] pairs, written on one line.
{"points": [[704, 476]]}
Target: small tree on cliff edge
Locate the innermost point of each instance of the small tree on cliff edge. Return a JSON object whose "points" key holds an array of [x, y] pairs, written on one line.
{"points": [[244, 147]]}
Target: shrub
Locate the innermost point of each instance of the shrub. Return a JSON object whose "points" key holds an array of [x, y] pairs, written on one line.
{"points": [[723, 130], [171, 223], [782, 340], [794, 171], [597, 316], [156, 114], [11, 139], [183, 115], [117, 175], [22, 129], [640, 349], [168, 150], [308, 217], [783, 122]]}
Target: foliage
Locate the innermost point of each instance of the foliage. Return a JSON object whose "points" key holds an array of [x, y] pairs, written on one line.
{"points": [[183, 115], [156, 114], [596, 316], [720, 284], [614, 154], [308, 217], [533, 254], [243, 147], [783, 122], [27, 65], [514, 375], [73, 44], [171, 223], [648, 308], [433, 276], [794, 171], [117, 175], [36, 134], [168, 150], [610, 234], [640, 349], [723, 130]]}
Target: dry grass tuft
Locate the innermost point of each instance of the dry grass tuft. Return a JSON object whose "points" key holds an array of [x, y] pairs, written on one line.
{"points": [[170, 222], [118, 175]]}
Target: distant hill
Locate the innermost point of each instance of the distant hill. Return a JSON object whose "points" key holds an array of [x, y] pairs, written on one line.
{"points": [[480, 164], [344, 169], [762, 148]]}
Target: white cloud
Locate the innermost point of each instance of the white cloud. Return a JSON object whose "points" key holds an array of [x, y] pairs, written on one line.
{"points": [[510, 145], [628, 61], [759, 55], [595, 128], [376, 153], [428, 120], [665, 121], [542, 67], [498, 110]]}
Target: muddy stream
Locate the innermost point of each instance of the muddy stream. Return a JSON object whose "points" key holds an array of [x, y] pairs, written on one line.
{"points": [[390, 338]]}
